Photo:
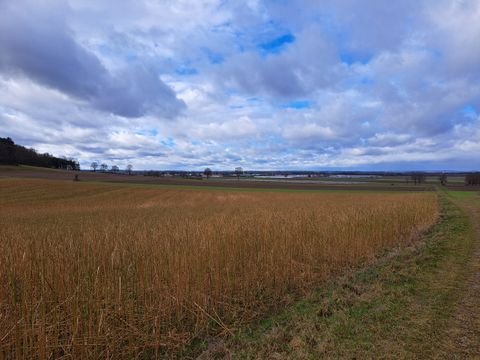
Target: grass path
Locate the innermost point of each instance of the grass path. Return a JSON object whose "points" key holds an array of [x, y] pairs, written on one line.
{"points": [[463, 334], [418, 302]]}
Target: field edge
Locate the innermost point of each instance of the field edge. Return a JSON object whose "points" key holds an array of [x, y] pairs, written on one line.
{"points": [[397, 306]]}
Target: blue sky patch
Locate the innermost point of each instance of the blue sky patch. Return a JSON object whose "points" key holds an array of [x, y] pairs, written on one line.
{"points": [[469, 111], [186, 71], [148, 132], [276, 45], [298, 104], [168, 142], [350, 58], [213, 57]]}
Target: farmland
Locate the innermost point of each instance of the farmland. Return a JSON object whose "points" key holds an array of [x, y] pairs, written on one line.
{"points": [[117, 270], [387, 183]]}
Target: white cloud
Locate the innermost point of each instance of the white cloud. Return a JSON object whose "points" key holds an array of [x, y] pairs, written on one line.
{"points": [[191, 83]]}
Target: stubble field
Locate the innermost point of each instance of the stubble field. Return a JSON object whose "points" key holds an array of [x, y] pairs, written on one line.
{"points": [[122, 271]]}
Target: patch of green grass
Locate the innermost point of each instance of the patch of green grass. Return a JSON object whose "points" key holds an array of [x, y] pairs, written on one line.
{"points": [[197, 187], [5, 168], [464, 194]]}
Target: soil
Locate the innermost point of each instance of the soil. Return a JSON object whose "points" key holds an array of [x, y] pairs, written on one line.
{"points": [[23, 172]]}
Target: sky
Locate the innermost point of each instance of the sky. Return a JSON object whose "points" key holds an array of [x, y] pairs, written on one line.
{"points": [[274, 84]]}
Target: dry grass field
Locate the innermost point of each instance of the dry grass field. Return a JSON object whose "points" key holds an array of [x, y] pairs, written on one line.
{"points": [[122, 271]]}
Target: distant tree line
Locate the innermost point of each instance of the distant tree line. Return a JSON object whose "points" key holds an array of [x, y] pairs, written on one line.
{"points": [[13, 154], [114, 168]]}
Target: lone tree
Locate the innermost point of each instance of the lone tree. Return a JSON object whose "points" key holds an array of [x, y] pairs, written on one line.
{"points": [[443, 179], [238, 172], [104, 167], [207, 172], [129, 169], [115, 169], [94, 166]]}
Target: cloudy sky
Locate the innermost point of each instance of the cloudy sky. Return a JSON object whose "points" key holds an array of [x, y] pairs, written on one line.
{"points": [[274, 84]]}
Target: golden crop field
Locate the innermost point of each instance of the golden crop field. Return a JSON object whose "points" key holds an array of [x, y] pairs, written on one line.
{"points": [[119, 271]]}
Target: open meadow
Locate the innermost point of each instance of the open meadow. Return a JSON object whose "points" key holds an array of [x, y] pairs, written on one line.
{"points": [[112, 270]]}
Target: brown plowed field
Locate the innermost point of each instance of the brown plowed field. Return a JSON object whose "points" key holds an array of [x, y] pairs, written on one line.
{"points": [[288, 184]]}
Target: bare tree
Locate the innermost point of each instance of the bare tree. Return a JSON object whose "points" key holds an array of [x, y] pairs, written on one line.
{"points": [[104, 167], [418, 178], [129, 169], [443, 179], [115, 168], [238, 172], [207, 172], [94, 166], [472, 179]]}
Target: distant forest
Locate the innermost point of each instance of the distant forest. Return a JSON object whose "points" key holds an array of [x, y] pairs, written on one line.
{"points": [[13, 154]]}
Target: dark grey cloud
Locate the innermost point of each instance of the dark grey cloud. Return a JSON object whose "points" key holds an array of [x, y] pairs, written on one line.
{"points": [[136, 91], [39, 46], [35, 42]]}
